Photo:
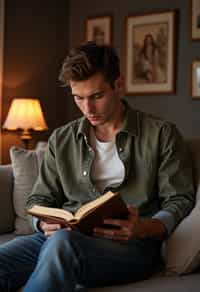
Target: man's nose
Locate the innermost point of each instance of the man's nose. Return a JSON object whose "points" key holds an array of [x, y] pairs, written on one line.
{"points": [[88, 106]]}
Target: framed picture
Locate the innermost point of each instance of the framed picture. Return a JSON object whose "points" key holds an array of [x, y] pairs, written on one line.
{"points": [[150, 64], [98, 29], [195, 19], [195, 80]]}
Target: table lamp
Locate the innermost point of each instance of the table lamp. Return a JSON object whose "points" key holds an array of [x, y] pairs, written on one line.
{"points": [[25, 114]]}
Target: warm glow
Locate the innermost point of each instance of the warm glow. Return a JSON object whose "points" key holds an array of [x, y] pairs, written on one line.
{"points": [[25, 114]]}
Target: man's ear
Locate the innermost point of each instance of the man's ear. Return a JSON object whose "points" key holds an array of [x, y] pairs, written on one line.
{"points": [[119, 82], [119, 86]]}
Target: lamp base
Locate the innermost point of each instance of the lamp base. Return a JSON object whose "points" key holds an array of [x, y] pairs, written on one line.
{"points": [[26, 137]]}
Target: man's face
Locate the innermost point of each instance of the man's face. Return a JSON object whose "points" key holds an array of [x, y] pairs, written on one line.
{"points": [[96, 99]]}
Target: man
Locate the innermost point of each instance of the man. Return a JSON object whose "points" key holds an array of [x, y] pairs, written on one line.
{"points": [[112, 147]]}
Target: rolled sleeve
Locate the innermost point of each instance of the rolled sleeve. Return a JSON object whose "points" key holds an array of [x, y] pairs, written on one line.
{"points": [[35, 224], [167, 219]]}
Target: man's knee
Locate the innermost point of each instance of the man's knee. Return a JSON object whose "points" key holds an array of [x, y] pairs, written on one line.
{"points": [[59, 237], [59, 241], [58, 254], [63, 235]]}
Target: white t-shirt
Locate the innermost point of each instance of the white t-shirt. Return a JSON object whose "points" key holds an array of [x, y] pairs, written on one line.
{"points": [[107, 168]]}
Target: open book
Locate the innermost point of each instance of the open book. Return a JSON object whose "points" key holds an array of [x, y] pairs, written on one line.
{"points": [[90, 215]]}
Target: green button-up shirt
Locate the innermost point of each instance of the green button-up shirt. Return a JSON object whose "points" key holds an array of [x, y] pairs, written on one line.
{"points": [[158, 172]]}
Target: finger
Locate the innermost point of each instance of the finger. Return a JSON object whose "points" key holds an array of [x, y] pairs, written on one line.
{"points": [[116, 222], [54, 225], [111, 235], [133, 211], [117, 238], [111, 232], [51, 227], [49, 233]]}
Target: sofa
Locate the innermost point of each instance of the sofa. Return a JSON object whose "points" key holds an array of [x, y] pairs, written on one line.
{"points": [[181, 252]]}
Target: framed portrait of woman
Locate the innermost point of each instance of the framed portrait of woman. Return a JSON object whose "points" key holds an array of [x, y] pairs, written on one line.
{"points": [[99, 29], [195, 79], [195, 19], [150, 53]]}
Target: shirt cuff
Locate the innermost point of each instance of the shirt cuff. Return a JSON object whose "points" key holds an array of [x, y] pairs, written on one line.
{"points": [[167, 218], [35, 222]]}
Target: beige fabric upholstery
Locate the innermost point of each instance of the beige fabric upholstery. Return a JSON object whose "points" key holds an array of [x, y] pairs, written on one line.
{"points": [[182, 250], [25, 170]]}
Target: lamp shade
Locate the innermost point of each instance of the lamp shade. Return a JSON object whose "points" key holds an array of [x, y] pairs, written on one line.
{"points": [[25, 113]]}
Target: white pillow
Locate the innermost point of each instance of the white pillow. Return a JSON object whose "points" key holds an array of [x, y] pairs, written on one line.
{"points": [[182, 249], [25, 165]]}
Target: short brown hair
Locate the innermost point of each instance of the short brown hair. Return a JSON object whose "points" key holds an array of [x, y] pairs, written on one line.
{"points": [[88, 59]]}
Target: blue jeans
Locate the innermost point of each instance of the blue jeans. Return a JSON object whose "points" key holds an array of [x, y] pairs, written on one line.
{"points": [[68, 258]]}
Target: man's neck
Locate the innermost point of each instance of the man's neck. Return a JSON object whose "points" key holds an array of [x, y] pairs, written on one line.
{"points": [[108, 131]]}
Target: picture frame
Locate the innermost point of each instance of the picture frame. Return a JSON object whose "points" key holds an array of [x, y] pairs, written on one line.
{"points": [[99, 29], [195, 21], [195, 79], [150, 53]]}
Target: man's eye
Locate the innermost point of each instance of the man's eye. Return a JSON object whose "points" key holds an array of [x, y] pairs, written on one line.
{"points": [[78, 98], [98, 95]]}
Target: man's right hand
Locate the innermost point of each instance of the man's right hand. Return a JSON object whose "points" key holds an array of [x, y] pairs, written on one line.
{"points": [[48, 228]]}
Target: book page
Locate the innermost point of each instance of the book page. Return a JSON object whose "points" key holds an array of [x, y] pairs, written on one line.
{"points": [[54, 212], [88, 207]]}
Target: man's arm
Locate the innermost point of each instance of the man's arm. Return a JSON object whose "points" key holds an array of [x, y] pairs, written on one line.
{"points": [[175, 188], [47, 190], [175, 177]]}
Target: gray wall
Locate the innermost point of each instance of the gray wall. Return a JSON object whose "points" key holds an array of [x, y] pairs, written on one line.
{"points": [[178, 108]]}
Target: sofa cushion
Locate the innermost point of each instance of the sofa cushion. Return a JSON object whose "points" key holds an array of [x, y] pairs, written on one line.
{"points": [[183, 246], [157, 284], [7, 237], [182, 249], [25, 171]]}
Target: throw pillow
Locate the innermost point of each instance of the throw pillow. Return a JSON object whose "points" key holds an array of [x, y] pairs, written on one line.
{"points": [[25, 165], [182, 249]]}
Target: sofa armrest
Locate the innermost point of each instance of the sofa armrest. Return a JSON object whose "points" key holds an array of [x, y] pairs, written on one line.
{"points": [[6, 200]]}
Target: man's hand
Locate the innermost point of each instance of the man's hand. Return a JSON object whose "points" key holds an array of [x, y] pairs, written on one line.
{"points": [[49, 228], [133, 227]]}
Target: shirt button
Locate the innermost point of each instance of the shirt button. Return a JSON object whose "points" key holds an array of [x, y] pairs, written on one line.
{"points": [[120, 149], [84, 172]]}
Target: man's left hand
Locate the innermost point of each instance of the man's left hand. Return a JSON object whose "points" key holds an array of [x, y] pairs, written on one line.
{"points": [[132, 227]]}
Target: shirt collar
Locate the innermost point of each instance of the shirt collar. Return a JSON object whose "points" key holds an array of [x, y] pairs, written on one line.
{"points": [[130, 125], [131, 122], [83, 128]]}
